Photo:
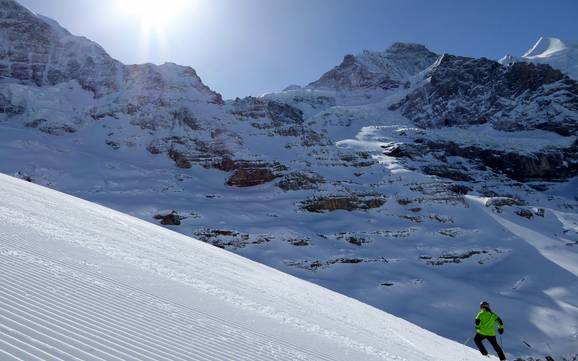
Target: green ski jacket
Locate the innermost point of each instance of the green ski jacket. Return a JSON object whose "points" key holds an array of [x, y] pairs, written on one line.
{"points": [[485, 321]]}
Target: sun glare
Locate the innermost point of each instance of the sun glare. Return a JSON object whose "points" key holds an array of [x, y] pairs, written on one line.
{"points": [[153, 13]]}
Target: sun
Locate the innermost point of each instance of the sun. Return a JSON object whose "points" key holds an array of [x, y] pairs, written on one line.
{"points": [[153, 13]]}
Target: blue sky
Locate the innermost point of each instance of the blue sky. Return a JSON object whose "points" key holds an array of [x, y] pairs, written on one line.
{"points": [[249, 47]]}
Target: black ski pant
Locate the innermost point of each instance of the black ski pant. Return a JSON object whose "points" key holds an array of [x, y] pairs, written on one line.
{"points": [[478, 340]]}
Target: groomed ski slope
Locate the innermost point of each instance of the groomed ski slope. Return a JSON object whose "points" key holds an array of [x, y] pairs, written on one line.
{"points": [[82, 282]]}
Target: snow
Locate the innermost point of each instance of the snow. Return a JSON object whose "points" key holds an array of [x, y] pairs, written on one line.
{"points": [[474, 252], [545, 47], [558, 53], [83, 282], [513, 274], [551, 248]]}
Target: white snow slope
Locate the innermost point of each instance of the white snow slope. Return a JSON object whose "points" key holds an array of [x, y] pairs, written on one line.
{"points": [[83, 282]]}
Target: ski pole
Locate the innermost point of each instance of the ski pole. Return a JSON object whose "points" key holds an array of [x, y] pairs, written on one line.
{"points": [[468, 340]]}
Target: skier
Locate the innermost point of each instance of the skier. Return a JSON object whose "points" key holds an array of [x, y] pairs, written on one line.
{"points": [[485, 329]]}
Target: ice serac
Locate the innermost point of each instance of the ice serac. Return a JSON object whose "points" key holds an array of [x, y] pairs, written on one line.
{"points": [[377, 70]]}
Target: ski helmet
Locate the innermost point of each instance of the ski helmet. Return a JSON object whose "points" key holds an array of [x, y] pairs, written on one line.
{"points": [[484, 304]]}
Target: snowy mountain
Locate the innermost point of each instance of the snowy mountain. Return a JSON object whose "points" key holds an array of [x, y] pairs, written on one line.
{"points": [[379, 70], [83, 282], [560, 54], [416, 183]]}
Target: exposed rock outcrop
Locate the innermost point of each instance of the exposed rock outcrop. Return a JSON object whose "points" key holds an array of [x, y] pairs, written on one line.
{"points": [[346, 203], [170, 219], [464, 91], [251, 176], [300, 181]]}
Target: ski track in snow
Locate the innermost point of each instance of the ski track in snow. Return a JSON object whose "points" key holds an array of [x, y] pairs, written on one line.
{"points": [[64, 298], [85, 315]]}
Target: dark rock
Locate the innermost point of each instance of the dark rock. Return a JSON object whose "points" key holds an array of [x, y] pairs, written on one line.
{"points": [[552, 164], [6, 107], [414, 219], [447, 172], [180, 159], [300, 242], [358, 241], [227, 164], [454, 258], [300, 180], [346, 203], [24, 176], [311, 138], [250, 177], [57, 129], [317, 264], [35, 123], [358, 159], [171, 219], [460, 189], [525, 213], [184, 117], [540, 212], [114, 145], [504, 202], [283, 119], [397, 152], [228, 239], [404, 201], [153, 149], [466, 91]]}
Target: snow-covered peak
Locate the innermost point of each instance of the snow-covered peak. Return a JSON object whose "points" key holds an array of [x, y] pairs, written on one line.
{"points": [[377, 70], [558, 53], [545, 47]]}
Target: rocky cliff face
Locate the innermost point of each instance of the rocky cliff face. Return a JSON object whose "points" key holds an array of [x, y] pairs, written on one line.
{"points": [[460, 91], [37, 52]]}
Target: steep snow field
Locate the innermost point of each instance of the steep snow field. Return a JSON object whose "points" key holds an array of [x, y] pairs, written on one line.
{"points": [[83, 282]]}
